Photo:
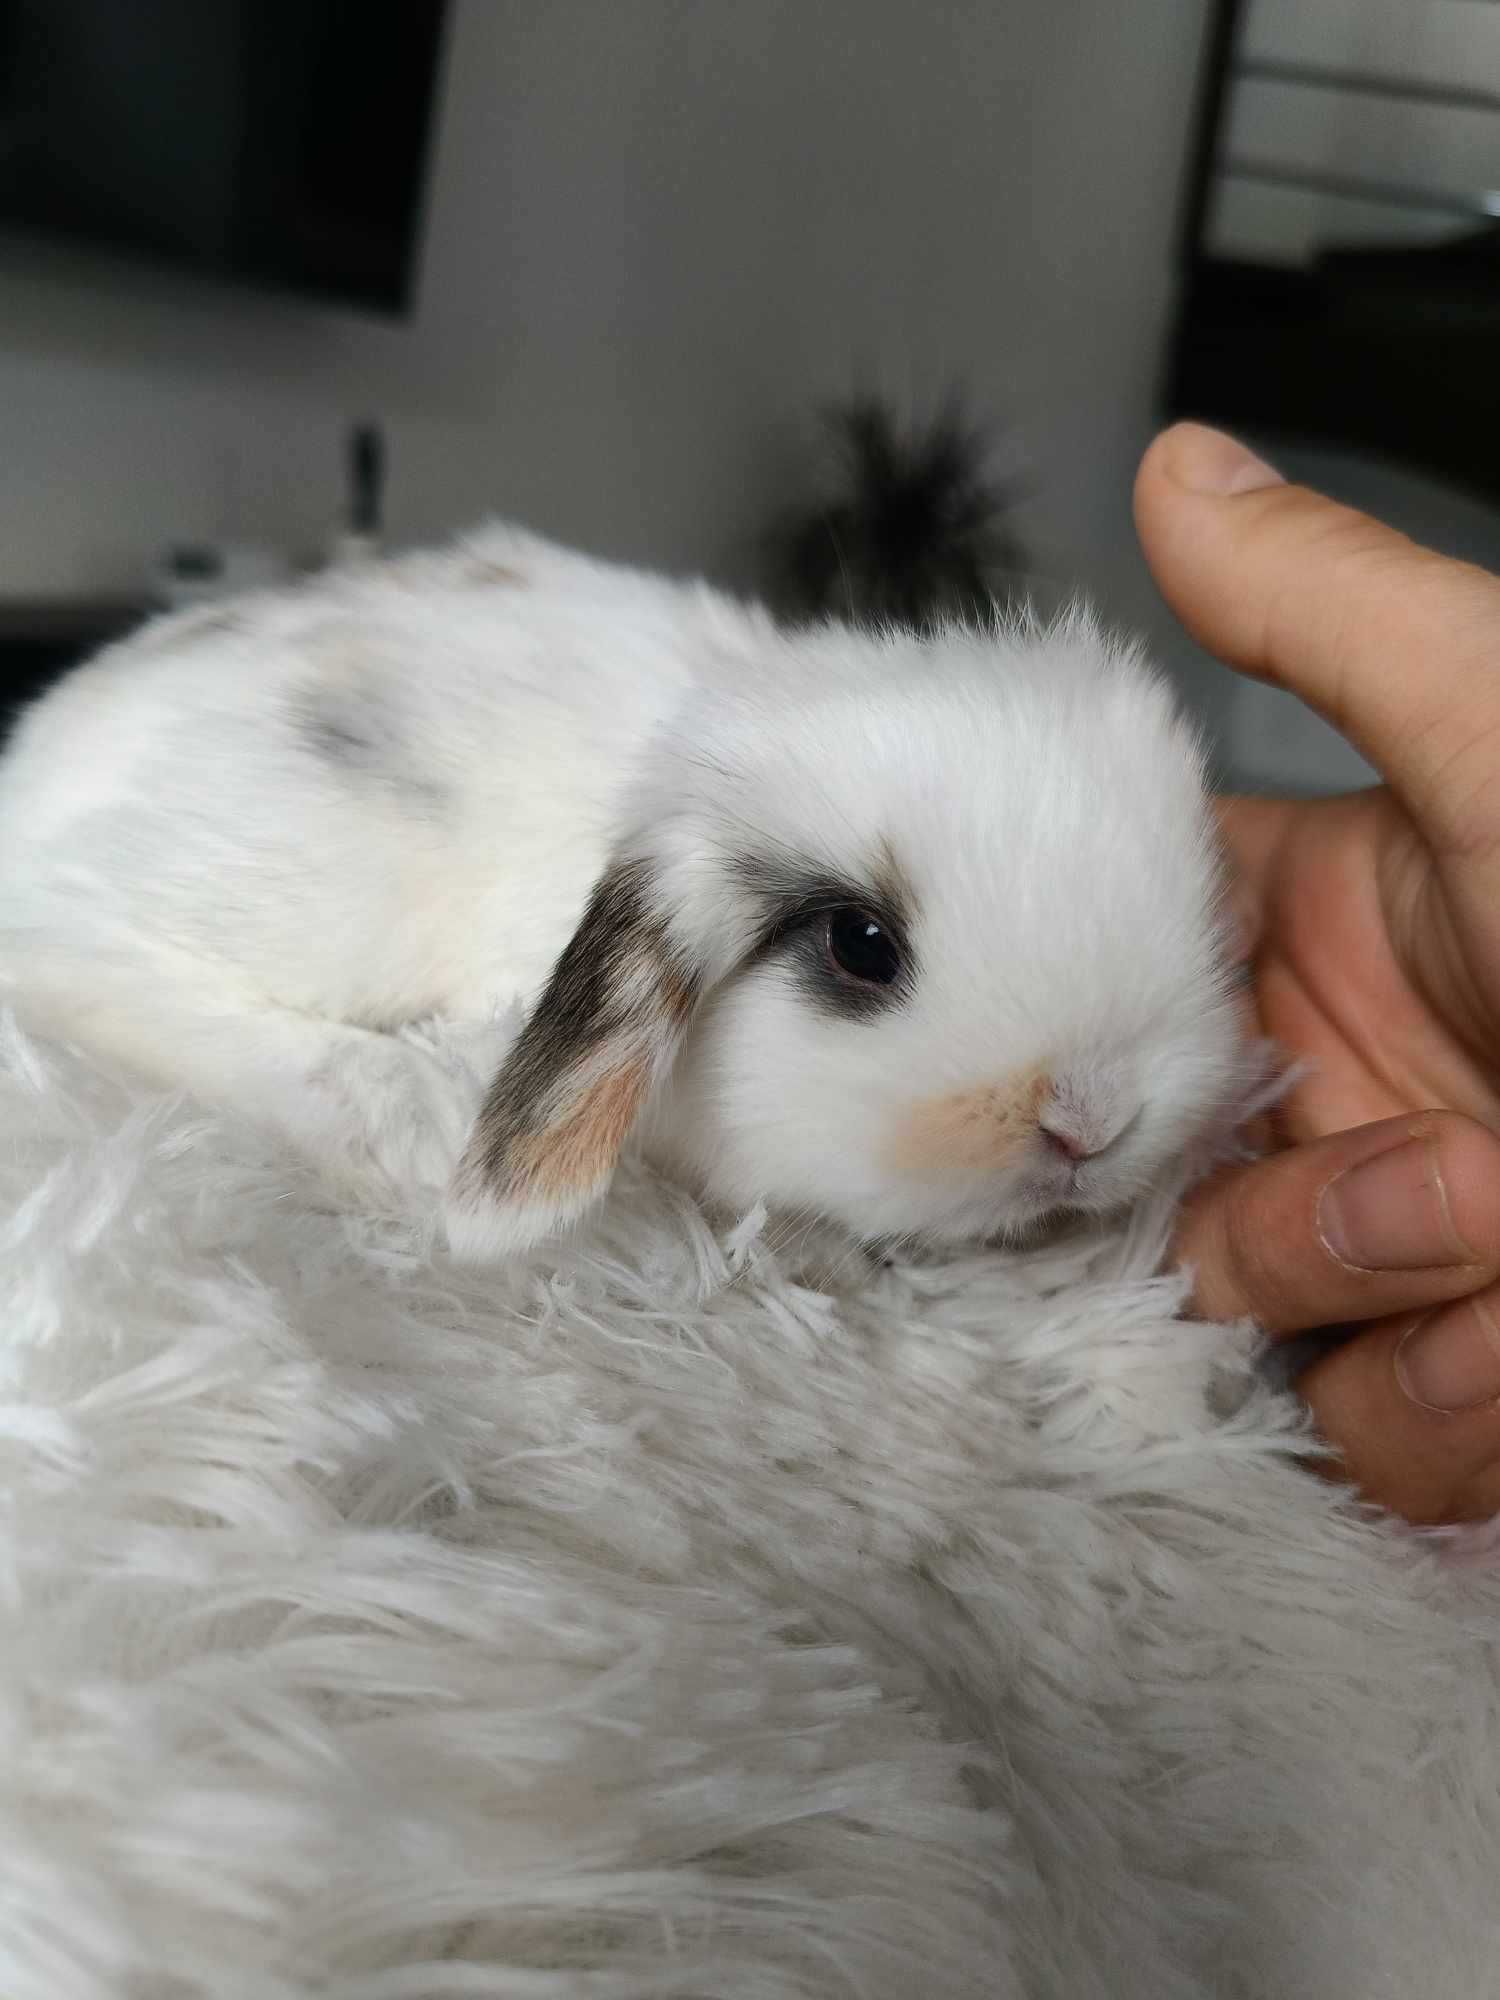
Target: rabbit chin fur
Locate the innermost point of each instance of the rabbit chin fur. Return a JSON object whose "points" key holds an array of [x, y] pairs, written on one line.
{"points": [[250, 847]]}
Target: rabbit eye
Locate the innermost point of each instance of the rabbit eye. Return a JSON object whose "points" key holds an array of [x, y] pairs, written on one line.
{"points": [[861, 947], [846, 945]]}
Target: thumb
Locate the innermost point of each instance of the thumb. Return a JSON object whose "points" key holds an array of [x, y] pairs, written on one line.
{"points": [[1393, 1217], [1395, 645]]}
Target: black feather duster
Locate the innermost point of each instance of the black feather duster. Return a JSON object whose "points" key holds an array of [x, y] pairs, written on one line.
{"points": [[914, 530]]}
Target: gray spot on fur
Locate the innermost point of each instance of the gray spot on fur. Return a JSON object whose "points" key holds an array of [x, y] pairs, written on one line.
{"points": [[484, 570], [356, 734], [186, 628]]}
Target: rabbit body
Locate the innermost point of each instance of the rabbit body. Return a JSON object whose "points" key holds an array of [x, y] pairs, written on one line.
{"points": [[238, 847], [246, 848]]}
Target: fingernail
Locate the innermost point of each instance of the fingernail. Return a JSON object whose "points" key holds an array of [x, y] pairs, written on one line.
{"points": [[1391, 1213], [1208, 461], [1451, 1361]]}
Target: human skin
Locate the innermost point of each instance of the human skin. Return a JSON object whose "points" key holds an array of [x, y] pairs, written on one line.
{"points": [[1374, 929]]}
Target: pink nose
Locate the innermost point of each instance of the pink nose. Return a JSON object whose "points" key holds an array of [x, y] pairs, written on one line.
{"points": [[1067, 1143]]}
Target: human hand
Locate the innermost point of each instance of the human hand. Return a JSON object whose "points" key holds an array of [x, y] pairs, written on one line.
{"points": [[1376, 958]]}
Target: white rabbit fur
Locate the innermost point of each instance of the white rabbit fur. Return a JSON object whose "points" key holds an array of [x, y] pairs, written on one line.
{"points": [[247, 846]]}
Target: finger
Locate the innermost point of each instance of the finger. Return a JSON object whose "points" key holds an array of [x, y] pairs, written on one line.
{"points": [[1399, 648], [1412, 1410], [1397, 1216], [1253, 830], [1244, 919]]}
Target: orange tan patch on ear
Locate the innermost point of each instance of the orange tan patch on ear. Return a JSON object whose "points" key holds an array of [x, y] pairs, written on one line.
{"points": [[970, 1131], [570, 1159], [604, 1030]]}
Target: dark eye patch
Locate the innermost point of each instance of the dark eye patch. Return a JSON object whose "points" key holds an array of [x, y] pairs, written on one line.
{"points": [[846, 942]]}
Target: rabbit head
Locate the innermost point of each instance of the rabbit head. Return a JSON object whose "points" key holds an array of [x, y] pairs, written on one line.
{"points": [[920, 936]]}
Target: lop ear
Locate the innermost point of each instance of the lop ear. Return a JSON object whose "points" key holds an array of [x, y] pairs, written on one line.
{"points": [[602, 1035]]}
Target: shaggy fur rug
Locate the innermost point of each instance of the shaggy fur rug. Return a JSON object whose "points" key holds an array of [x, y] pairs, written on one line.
{"points": [[646, 1620]]}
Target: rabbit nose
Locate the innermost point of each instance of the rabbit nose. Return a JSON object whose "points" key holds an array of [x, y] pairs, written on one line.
{"points": [[1079, 1130], [1067, 1143]]}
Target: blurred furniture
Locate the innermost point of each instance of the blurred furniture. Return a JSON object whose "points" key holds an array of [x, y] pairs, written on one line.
{"points": [[1341, 246]]}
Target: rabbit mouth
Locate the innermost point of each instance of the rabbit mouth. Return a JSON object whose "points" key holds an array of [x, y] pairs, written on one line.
{"points": [[1046, 1215]]}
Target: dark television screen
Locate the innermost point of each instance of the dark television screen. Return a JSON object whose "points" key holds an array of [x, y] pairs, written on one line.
{"points": [[274, 142]]}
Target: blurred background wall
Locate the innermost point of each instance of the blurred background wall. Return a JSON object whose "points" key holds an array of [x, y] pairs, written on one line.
{"points": [[659, 232]]}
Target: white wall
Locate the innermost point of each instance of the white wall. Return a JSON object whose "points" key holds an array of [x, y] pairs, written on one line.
{"points": [[660, 230]]}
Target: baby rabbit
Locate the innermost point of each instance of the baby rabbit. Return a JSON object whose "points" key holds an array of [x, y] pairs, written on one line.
{"points": [[921, 936]]}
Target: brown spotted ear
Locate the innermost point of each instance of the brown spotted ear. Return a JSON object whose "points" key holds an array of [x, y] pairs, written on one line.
{"points": [[603, 1033]]}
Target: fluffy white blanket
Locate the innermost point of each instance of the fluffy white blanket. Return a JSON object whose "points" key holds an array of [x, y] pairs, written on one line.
{"points": [[643, 1622]]}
